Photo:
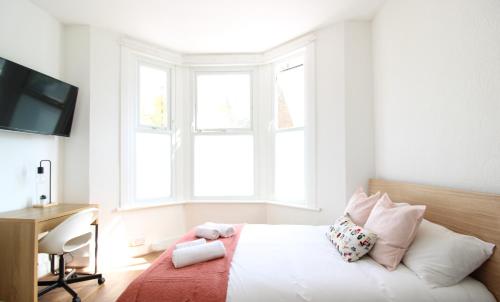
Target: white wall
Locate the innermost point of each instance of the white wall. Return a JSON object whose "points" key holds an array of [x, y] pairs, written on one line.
{"points": [[437, 92], [118, 228], [225, 213], [76, 70], [30, 37], [360, 145], [330, 134], [344, 139]]}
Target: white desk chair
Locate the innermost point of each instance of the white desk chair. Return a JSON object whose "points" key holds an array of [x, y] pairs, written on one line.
{"points": [[69, 236]]}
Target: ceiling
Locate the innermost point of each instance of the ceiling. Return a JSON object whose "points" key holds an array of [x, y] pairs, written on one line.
{"points": [[210, 26]]}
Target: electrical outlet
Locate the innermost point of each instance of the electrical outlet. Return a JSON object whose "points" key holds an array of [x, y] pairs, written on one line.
{"points": [[137, 242]]}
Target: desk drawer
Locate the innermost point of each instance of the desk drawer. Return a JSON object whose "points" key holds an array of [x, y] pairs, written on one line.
{"points": [[48, 225]]}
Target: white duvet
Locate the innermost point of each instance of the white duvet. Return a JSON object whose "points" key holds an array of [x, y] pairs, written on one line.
{"points": [[289, 263]]}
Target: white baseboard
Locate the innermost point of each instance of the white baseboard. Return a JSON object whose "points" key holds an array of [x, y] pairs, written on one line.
{"points": [[164, 244], [141, 250]]}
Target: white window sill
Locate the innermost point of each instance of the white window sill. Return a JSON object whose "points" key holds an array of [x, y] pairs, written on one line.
{"points": [[137, 207], [144, 206], [226, 201], [295, 206]]}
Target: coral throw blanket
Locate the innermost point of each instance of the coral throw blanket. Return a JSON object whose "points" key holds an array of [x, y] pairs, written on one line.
{"points": [[202, 282]]}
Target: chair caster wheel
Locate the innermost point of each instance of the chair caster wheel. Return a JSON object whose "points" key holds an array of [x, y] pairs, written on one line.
{"points": [[101, 280], [76, 299]]}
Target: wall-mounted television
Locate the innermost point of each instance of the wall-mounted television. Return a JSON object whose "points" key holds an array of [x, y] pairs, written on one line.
{"points": [[31, 101]]}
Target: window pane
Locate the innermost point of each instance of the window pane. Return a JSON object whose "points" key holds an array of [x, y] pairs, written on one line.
{"points": [[289, 166], [153, 165], [153, 97], [224, 165], [223, 101], [290, 98]]}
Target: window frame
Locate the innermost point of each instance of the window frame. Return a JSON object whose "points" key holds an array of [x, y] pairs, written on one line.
{"points": [[183, 129], [308, 129], [130, 126], [252, 71], [282, 66], [222, 71], [168, 69]]}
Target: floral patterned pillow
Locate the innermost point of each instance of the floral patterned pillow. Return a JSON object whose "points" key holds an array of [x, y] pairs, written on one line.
{"points": [[351, 240]]}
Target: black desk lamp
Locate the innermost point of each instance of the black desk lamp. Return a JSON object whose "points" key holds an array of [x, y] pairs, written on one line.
{"points": [[40, 171]]}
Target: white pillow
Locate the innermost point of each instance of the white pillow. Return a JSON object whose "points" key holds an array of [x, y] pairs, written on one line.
{"points": [[442, 257]]}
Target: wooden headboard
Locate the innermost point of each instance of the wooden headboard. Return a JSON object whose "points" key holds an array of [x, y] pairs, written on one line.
{"points": [[470, 213]]}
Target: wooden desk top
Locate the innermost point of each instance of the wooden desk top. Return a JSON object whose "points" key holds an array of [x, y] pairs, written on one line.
{"points": [[42, 214]]}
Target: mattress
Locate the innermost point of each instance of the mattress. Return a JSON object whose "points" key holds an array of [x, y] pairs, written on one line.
{"points": [[292, 263]]}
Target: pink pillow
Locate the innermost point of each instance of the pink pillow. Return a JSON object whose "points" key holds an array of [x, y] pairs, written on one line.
{"points": [[360, 205], [396, 226]]}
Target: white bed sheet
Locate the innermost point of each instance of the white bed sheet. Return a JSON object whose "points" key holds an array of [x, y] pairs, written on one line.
{"points": [[288, 263]]}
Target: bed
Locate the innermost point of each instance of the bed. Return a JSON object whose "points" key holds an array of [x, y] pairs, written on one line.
{"points": [[295, 263]]}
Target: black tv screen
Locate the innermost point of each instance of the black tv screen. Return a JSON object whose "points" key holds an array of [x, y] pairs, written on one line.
{"points": [[31, 101]]}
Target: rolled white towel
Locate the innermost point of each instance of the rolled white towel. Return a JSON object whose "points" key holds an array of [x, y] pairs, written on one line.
{"points": [[198, 253], [225, 230], [208, 232], [190, 243]]}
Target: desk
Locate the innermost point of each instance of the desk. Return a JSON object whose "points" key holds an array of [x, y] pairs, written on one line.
{"points": [[19, 247]]}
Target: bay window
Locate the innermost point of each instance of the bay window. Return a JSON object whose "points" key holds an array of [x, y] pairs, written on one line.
{"points": [[153, 140], [147, 131], [223, 136], [235, 133], [289, 131]]}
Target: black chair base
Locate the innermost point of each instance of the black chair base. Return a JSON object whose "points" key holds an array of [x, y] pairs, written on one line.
{"points": [[64, 280]]}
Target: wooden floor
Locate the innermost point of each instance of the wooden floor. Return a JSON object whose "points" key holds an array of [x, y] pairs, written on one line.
{"points": [[116, 282]]}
